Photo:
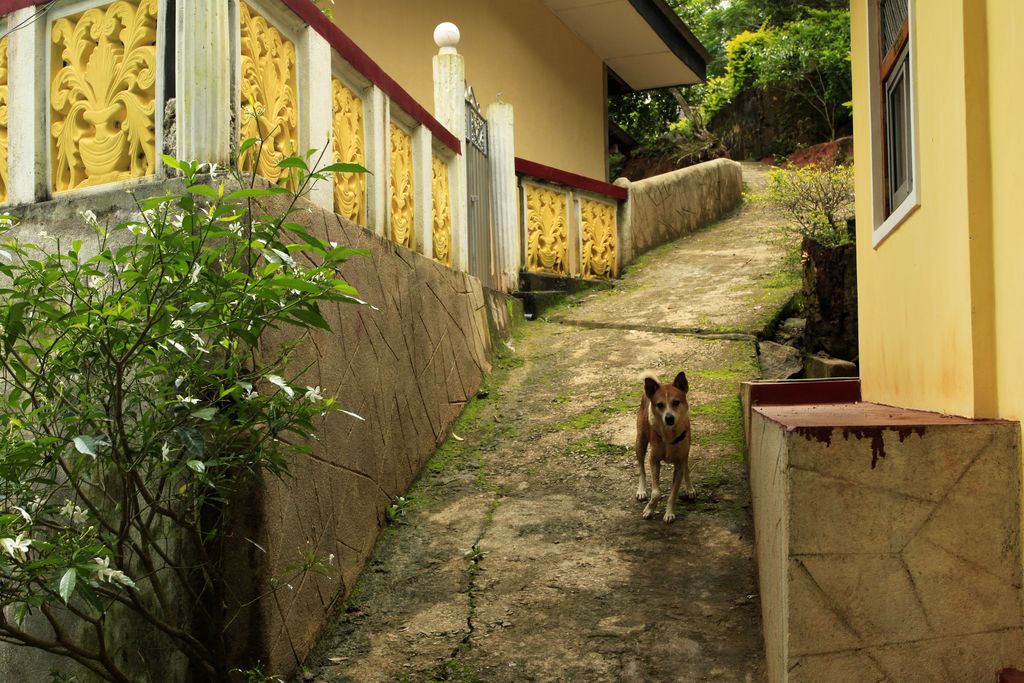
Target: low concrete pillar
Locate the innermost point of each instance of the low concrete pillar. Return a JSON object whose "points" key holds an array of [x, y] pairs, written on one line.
{"points": [[423, 190], [315, 113], [378, 118], [625, 227], [450, 111], [27, 82], [507, 242], [204, 101]]}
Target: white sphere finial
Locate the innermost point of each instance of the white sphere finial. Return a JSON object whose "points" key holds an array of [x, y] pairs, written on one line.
{"points": [[447, 35]]}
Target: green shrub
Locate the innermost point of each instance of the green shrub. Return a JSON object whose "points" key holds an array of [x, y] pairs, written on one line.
{"points": [[137, 401], [816, 200]]}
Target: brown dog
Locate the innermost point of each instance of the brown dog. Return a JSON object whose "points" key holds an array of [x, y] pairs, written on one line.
{"points": [[663, 421]]}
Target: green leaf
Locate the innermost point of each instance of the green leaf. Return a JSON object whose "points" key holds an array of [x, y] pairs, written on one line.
{"points": [[204, 413], [296, 283], [250, 192], [343, 168], [204, 190], [191, 440], [293, 162], [67, 584], [85, 445], [311, 316], [196, 465], [172, 162]]}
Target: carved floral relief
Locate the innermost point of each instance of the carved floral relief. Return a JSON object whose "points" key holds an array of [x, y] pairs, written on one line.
{"points": [[547, 222], [349, 188], [269, 110], [442, 227], [103, 95], [402, 229], [598, 223]]}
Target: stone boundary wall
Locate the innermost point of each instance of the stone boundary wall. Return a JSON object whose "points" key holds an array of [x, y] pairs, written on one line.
{"points": [[666, 207], [407, 363]]}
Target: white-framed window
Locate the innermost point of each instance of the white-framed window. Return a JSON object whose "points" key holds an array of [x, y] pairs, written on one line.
{"points": [[894, 164]]}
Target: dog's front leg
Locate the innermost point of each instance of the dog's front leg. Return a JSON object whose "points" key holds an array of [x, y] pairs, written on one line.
{"points": [[655, 488], [688, 491], [641, 455], [679, 471]]}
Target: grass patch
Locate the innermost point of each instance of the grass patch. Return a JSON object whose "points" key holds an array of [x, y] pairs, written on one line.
{"points": [[726, 426], [782, 279], [739, 371], [598, 414]]}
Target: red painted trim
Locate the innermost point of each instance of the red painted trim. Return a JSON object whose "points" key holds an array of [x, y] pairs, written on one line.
{"points": [[361, 62], [14, 5], [555, 175], [353, 54], [805, 392]]}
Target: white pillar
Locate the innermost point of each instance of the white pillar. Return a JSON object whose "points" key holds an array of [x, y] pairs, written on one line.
{"points": [[423, 190], [507, 243], [28, 97], [204, 102], [316, 110], [450, 110], [377, 146], [625, 226]]}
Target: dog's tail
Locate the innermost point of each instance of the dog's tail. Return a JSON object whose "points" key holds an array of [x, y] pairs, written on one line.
{"points": [[647, 374]]}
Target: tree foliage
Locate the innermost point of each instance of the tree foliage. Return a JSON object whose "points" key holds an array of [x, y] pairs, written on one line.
{"points": [[797, 49]]}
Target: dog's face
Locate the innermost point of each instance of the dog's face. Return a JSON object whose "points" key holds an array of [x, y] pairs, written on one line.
{"points": [[668, 401]]}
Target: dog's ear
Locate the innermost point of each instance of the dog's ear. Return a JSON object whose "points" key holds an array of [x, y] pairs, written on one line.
{"points": [[681, 383], [650, 386]]}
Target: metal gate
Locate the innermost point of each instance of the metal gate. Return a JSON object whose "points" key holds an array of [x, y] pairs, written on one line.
{"points": [[478, 187]]}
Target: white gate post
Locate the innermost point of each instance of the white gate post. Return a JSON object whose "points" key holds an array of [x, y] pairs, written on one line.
{"points": [[27, 83], [450, 111], [203, 80], [507, 241]]}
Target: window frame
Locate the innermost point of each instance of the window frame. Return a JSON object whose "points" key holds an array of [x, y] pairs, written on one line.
{"points": [[890, 209]]}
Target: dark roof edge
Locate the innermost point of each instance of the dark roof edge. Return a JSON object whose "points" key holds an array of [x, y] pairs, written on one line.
{"points": [[675, 34]]}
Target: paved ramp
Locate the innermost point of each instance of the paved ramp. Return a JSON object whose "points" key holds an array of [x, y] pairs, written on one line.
{"points": [[521, 555]]}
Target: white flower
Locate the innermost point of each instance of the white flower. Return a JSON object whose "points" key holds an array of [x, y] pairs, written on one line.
{"points": [[90, 217], [165, 451], [24, 514], [279, 381], [194, 275], [313, 394], [187, 399], [74, 513], [105, 573], [16, 547], [178, 324], [177, 219]]}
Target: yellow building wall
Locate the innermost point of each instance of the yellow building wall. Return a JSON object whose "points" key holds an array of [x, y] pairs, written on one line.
{"points": [[914, 290], [519, 49], [1005, 54]]}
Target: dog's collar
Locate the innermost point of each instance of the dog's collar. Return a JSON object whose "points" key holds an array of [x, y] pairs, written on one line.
{"points": [[680, 437]]}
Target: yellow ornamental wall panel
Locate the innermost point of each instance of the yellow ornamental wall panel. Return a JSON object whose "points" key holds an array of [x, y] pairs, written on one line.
{"points": [[547, 230], [402, 204], [269, 109], [4, 166], [442, 224], [103, 95], [349, 146], [598, 223]]}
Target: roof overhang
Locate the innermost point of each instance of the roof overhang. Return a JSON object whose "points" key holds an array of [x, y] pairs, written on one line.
{"points": [[643, 41]]}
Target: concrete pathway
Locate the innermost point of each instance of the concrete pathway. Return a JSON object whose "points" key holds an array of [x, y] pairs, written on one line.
{"points": [[521, 554]]}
